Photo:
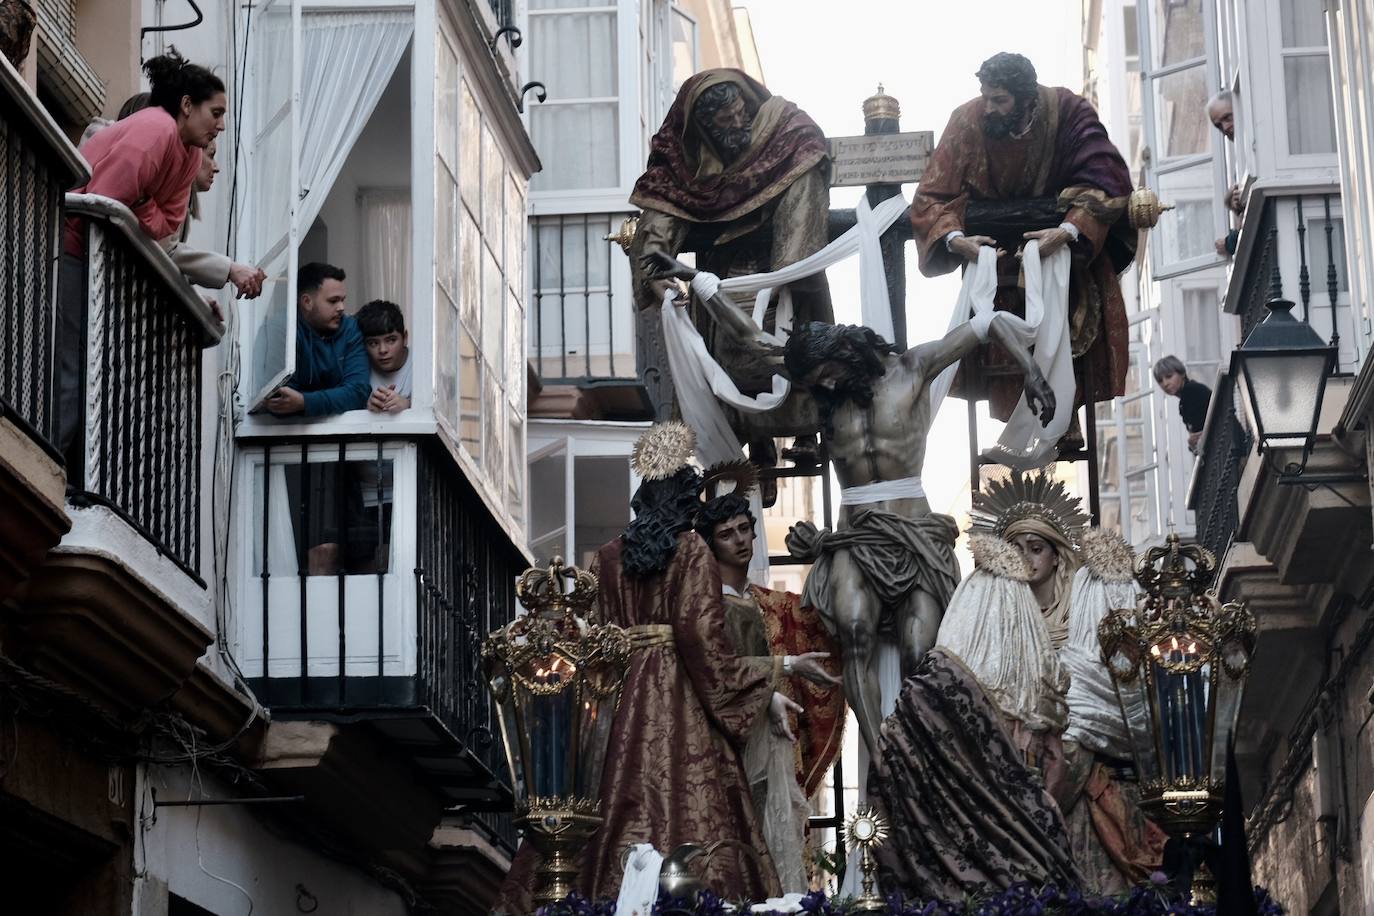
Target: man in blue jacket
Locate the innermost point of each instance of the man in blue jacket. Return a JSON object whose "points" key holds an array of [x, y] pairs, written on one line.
{"points": [[331, 359]]}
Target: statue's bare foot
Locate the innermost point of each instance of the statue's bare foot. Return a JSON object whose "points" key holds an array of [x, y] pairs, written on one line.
{"points": [[1072, 441], [805, 452]]}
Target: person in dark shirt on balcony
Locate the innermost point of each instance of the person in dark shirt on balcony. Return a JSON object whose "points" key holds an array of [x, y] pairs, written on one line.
{"points": [[1193, 397], [331, 359]]}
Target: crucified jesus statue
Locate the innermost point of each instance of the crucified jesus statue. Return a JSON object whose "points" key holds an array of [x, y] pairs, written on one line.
{"points": [[889, 569]]}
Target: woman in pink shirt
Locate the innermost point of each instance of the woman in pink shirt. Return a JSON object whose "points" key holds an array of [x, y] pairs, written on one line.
{"points": [[147, 162]]}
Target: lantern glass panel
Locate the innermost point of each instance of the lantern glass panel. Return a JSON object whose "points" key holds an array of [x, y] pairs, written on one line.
{"points": [[597, 715], [1180, 698], [1135, 712], [1283, 395], [549, 719], [1225, 713]]}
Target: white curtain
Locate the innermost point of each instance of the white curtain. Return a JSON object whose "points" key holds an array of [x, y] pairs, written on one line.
{"points": [[384, 242], [347, 59]]}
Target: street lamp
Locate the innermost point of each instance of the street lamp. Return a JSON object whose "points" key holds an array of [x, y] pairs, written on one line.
{"points": [[556, 679], [1179, 665], [1284, 366]]}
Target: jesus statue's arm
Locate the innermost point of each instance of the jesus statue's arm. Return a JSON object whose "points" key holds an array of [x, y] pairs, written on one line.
{"points": [[934, 357]]}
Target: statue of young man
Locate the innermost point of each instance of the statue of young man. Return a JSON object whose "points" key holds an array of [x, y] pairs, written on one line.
{"points": [[891, 564], [783, 769]]}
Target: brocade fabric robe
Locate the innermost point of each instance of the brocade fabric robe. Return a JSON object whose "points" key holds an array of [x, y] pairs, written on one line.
{"points": [[674, 772], [1065, 154]]}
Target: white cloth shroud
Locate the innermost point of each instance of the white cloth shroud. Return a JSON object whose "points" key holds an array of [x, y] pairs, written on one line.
{"points": [[639, 887], [700, 382], [883, 490], [1024, 443]]}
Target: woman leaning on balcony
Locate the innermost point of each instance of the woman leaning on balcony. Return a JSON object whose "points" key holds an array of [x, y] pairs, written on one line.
{"points": [[147, 162]]}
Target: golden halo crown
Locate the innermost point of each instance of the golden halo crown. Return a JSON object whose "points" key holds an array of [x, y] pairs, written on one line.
{"points": [[558, 590], [739, 476], [663, 450], [1039, 496]]}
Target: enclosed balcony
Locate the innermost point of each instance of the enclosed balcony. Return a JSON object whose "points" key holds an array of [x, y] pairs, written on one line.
{"points": [[119, 608], [39, 164], [367, 581]]}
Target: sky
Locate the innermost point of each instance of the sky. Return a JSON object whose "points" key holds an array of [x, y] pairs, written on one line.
{"points": [[828, 57]]}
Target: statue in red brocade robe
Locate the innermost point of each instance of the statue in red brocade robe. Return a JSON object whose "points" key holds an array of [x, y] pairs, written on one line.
{"points": [[1042, 153], [673, 772]]}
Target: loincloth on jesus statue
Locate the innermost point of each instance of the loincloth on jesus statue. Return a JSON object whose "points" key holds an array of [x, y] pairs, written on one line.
{"points": [[967, 815], [895, 554]]}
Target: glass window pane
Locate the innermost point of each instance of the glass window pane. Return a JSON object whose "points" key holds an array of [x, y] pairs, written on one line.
{"points": [[493, 194], [494, 436], [1307, 95], [591, 73], [548, 492], [445, 229], [1190, 231], [1201, 332], [1302, 23], [515, 353], [493, 304], [516, 224], [470, 396], [1176, 31], [568, 4], [515, 468], [1181, 126], [601, 494], [586, 139], [470, 152], [470, 296], [446, 101], [684, 49], [446, 358]]}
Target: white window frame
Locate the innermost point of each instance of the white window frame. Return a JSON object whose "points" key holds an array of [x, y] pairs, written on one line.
{"points": [[628, 156], [1153, 167], [578, 439], [1276, 52]]}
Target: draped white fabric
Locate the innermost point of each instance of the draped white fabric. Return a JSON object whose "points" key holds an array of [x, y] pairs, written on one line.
{"points": [[995, 627], [1094, 711], [347, 59], [639, 887], [701, 385], [861, 239], [1024, 443], [384, 243]]}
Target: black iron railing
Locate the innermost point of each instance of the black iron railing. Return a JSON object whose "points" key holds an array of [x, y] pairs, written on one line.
{"points": [[38, 164], [465, 580], [334, 563], [1222, 451], [577, 292], [1263, 277], [140, 413]]}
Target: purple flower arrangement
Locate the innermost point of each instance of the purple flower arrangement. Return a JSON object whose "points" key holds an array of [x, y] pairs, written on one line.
{"points": [[1150, 899]]}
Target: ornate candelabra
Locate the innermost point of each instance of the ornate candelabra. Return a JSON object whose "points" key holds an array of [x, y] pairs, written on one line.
{"points": [[1179, 664], [556, 679]]}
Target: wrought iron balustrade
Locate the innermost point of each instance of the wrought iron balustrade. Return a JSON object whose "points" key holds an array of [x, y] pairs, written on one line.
{"points": [[1222, 451], [376, 574], [1262, 277], [139, 435], [38, 164]]}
